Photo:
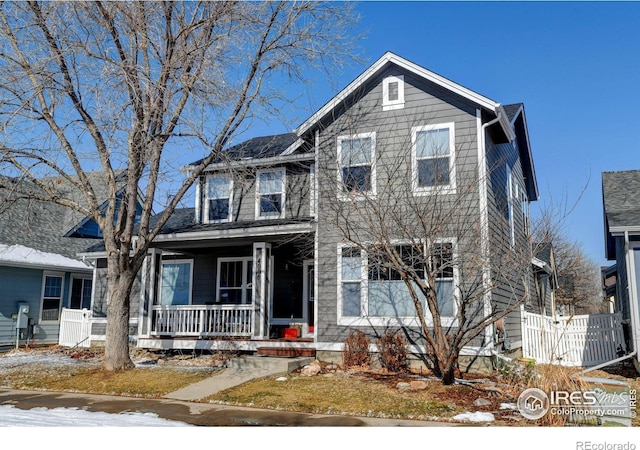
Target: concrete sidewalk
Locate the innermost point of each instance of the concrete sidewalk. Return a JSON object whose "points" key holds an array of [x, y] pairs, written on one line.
{"points": [[242, 370]]}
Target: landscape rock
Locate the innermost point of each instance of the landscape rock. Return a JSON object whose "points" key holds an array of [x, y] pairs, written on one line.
{"points": [[418, 385], [402, 386], [311, 370], [481, 402]]}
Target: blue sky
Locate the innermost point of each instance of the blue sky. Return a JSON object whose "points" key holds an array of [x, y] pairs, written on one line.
{"points": [[575, 66]]}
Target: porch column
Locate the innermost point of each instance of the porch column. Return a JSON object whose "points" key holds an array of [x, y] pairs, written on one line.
{"points": [[261, 284], [149, 291]]}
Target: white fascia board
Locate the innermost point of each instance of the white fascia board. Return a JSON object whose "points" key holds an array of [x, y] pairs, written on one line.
{"points": [[389, 57], [58, 268], [237, 233], [257, 162], [530, 156]]}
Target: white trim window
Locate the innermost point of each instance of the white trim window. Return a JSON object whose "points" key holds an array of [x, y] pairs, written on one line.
{"points": [[510, 194], [433, 158], [234, 281], [393, 93], [52, 289], [372, 292], [356, 165], [80, 292], [218, 198], [175, 282], [270, 194]]}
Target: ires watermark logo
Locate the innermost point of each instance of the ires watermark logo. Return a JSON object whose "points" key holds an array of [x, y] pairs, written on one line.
{"points": [[580, 405]]}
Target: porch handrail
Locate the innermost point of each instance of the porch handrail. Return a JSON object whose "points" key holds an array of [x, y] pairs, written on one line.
{"points": [[203, 320]]}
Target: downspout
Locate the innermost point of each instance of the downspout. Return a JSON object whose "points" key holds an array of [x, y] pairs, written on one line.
{"points": [[484, 223]]}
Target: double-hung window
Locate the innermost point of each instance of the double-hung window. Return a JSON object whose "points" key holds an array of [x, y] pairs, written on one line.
{"points": [[433, 154], [443, 267], [80, 293], [51, 297], [175, 282], [351, 275], [219, 198], [356, 156], [270, 198]]}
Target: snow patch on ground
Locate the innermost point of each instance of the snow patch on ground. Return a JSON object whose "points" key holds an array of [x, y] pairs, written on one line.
{"points": [[46, 358], [10, 416], [475, 417]]}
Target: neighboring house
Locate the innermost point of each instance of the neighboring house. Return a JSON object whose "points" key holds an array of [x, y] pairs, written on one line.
{"points": [[39, 263], [621, 205], [609, 286], [545, 282], [259, 254]]}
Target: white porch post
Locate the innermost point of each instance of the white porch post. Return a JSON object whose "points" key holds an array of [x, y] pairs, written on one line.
{"points": [[261, 289], [152, 259]]}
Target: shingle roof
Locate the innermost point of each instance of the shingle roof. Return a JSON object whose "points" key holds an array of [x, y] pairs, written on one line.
{"points": [[511, 110], [258, 147], [621, 197], [42, 225]]}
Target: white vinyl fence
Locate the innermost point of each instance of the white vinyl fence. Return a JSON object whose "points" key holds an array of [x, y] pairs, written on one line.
{"points": [[75, 328], [582, 341]]}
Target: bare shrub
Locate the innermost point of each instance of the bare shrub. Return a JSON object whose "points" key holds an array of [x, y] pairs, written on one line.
{"points": [[356, 350], [393, 352]]}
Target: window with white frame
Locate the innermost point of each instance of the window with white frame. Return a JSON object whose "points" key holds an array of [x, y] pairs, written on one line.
{"points": [[235, 277], [393, 93], [80, 297], [270, 198], [52, 286], [356, 156], [371, 288], [219, 198], [433, 154], [175, 282]]}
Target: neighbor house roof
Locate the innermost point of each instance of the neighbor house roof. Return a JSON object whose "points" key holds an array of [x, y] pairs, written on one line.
{"points": [[42, 225], [621, 204], [21, 256]]}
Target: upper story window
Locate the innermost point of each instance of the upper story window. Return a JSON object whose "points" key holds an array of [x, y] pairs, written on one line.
{"points": [[433, 154], [219, 198], [393, 93], [270, 189], [356, 155], [510, 194]]}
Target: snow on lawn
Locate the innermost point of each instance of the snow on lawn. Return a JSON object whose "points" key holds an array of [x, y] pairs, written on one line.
{"points": [[475, 417], [10, 416], [45, 357]]}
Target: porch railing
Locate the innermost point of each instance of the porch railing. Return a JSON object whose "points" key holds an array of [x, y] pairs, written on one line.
{"points": [[203, 320]]}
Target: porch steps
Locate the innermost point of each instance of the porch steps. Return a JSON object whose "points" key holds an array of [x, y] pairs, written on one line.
{"points": [[283, 352]]}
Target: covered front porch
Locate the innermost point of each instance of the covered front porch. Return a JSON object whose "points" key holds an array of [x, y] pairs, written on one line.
{"points": [[229, 294]]}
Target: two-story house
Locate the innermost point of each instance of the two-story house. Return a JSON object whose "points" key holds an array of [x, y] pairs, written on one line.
{"points": [[270, 243]]}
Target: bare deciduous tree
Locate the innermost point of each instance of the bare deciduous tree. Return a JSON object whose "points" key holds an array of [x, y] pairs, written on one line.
{"points": [[125, 86]]}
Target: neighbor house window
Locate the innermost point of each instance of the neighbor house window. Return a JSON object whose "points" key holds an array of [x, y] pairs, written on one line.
{"points": [[393, 93], [219, 198], [175, 282], [433, 150], [510, 193], [270, 197], [235, 277], [51, 297], [356, 155], [80, 293], [372, 289]]}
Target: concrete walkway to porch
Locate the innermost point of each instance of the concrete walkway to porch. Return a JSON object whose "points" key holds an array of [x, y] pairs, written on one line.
{"points": [[241, 370]]}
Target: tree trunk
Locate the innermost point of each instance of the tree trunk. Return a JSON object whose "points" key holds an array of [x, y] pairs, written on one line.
{"points": [[116, 355]]}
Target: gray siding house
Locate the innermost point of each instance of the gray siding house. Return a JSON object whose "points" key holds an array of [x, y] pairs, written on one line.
{"points": [[265, 260], [621, 207]]}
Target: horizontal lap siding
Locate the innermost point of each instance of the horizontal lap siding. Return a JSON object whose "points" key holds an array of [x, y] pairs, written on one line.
{"points": [[19, 285], [425, 104], [507, 293]]}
